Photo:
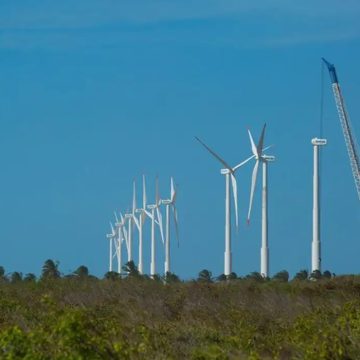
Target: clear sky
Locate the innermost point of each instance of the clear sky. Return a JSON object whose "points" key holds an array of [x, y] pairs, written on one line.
{"points": [[95, 93]]}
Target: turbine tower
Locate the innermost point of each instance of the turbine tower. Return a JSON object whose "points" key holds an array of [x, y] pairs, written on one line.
{"points": [[111, 237], [153, 208], [170, 203], [122, 236], [264, 159], [229, 174], [316, 243], [140, 223]]}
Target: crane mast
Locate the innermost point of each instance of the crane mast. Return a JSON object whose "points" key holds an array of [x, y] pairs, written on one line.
{"points": [[349, 134]]}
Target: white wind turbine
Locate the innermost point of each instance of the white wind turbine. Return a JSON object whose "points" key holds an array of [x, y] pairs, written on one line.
{"points": [[111, 238], [153, 208], [229, 173], [170, 203], [139, 222], [129, 218], [264, 159], [122, 236]]}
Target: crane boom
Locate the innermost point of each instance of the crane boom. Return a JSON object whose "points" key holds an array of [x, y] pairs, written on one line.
{"points": [[349, 134]]}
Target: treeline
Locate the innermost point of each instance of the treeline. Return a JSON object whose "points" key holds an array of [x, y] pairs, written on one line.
{"points": [[80, 316], [50, 270]]}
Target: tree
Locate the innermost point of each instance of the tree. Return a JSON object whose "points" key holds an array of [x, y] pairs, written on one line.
{"points": [[170, 278], [50, 270], [255, 275], [30, 277], [221, 277], [301, 275], [205, 276], [327, 274], [131, 269], [2, 272], [315, 275], [111, 275], [282, 276], [232, 276], [16, 277], [82, 271]]}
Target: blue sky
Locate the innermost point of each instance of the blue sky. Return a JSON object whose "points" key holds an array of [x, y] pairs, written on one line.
{"points": [[93, 94]]}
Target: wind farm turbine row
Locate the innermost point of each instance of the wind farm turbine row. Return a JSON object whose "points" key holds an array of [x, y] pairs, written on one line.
{"points": [[124, 226], [229, 173]]}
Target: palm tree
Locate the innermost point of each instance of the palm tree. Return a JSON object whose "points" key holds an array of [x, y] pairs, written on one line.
{"points": [[50, 270], [16, 277], [82, 271], [131, 269], [205, 276]]}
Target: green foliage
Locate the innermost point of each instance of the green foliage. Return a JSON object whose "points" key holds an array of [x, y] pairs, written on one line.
{"points": [[30, 277], [15, 277], [112, 275], [205, 276], [82, 271], [171, 278], [80, 317], [255, 276], [50, 270], [301, 275], [315, 275], [282, 276], [131, 269]]}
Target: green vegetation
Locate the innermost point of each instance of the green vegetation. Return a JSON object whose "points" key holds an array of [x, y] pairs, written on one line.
{"points": [[81, 317]]}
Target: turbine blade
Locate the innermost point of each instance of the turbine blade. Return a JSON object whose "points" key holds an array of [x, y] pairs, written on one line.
{"points": [[148, 214], [116, 217], [134, 198], [144, 192], [173, 191], [136, 222], [122, 219], [243, 163], [253, 147], [261, 142], [126, 237], [214, 154], [253, 184], [112, 229], [234, 188], [159, 217], [176, 223], [157, 194]]}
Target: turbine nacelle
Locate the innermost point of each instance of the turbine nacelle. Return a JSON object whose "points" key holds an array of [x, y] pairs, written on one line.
{"points": [[225, 172], [268, 158], [318, 142]]}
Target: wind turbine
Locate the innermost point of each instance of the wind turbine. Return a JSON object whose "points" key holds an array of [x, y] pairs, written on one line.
{"points": [[130, 217], [170, 203], [153, 208], [122, 236], [139, 222], [229, 174], [111, 237], [264, 159]]}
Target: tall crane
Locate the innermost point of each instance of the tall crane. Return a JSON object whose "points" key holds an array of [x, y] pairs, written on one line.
{"points": [[349, 135]]}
